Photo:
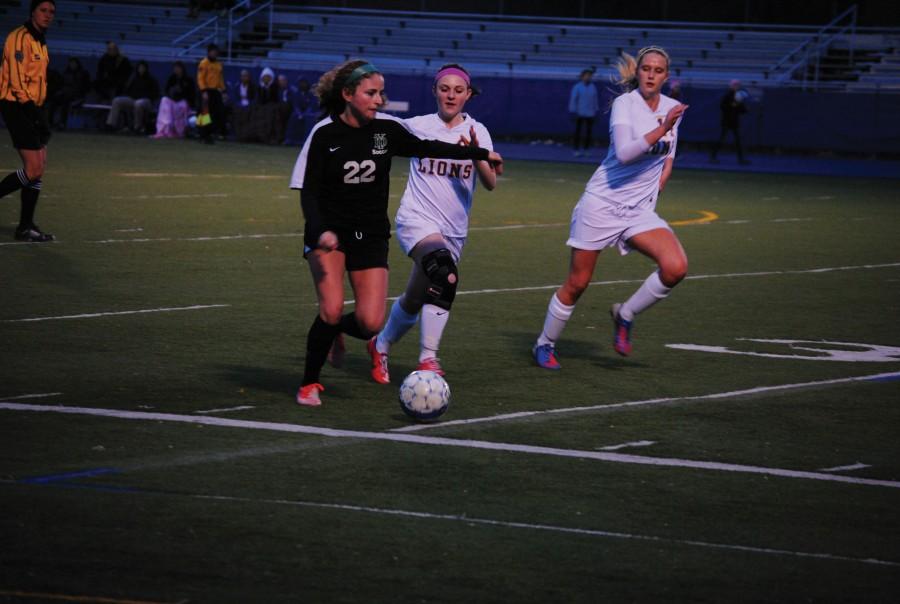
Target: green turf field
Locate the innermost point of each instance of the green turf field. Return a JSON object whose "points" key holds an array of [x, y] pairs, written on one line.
{"points": [[174, 308]]}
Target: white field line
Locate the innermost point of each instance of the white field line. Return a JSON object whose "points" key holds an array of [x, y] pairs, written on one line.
{"points": [[532, 288], [850, 468], [186, 175], [217, 238], [27, 396], [514, 227], [666, 462], [176, 196], [468, 520], [225, 409], [118, 313], [636, 443], [5, 243], [645, 403]]}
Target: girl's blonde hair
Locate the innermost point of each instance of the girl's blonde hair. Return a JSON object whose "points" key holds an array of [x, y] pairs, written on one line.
{"points": [[627, 66], [334, 81]]}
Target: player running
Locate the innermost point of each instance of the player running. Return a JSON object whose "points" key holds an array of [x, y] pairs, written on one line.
{"points": [[433, 221], [343, 172], [618, 205]]}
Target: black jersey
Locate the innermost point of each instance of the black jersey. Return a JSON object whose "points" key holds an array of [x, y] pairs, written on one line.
{"points": [[344, 173]]}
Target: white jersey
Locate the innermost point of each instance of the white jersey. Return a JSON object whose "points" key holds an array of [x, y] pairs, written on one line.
{"points": [[635, 183], [441, 190]]}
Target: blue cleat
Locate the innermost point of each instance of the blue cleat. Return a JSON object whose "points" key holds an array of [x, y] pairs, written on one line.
{"points": [[621, 332], [545, 356]]}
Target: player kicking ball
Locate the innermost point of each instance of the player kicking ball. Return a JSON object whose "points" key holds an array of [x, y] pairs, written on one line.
{"points": [[343, 173], [433, 222], [618, 206]]}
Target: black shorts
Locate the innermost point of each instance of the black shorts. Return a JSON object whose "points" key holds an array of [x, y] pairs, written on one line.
{"points": [[361, 250], [27, 124]]}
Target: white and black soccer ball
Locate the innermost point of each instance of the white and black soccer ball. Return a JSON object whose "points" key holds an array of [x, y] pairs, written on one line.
{"points": [[424, 395]]}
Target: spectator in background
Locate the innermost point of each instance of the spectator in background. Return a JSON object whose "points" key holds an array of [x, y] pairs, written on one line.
{"points": [[113, 71], [243, 95], [264, 116], [732, 108], [139, 99], [175, 106], [74, 85], [268, 92], [584, 102], [304, 100], [304, 107], [211, 82], [284, 95]]}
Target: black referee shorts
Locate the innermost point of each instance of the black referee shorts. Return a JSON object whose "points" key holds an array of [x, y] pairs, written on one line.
{"points": [[27, 124], [361, 250]]}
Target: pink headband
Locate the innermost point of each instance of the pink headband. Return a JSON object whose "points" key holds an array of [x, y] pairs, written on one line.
{"points": [[453, 71]]}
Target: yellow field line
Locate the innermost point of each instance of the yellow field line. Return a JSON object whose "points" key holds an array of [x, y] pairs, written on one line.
{"points": [[68, 598], [706, 217]]}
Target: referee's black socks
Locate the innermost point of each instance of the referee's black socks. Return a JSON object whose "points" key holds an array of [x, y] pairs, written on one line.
{"points": [[29, 203], [13, 182]]}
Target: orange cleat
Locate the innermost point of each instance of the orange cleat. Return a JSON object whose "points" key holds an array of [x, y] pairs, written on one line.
{"points": [[380, 371], [308, 395]]}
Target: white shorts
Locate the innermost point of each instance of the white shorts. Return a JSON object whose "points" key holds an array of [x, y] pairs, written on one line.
{"points": [[413, 229], [597, 225]]}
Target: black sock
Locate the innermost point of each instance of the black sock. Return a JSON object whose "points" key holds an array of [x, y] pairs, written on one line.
{"points": [[318, 343], [29, 203], [13, 182], [351, 327]]}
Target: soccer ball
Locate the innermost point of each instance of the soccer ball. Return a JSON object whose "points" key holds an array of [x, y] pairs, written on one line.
{"points": [[424, 395]]}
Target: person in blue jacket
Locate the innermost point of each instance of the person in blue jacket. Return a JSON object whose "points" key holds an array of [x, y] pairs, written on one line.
{"points": [[584, 103]]}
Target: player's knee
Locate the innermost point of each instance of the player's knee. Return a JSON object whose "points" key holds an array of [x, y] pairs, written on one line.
{"points": [[673, 270], [369, 326], [34, 171], [575, 285], [331, 313], [443, 278]]}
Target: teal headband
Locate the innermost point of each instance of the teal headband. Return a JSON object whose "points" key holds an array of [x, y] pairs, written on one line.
{"points": [[359, 73]]}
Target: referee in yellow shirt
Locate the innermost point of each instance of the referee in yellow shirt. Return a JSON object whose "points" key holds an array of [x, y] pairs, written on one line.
{"points": [[23, 89]]}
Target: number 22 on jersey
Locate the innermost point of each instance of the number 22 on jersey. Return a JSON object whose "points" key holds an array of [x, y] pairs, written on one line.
{"points": [[359, 172]]}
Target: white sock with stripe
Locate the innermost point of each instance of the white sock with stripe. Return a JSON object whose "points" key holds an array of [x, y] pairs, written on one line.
{"points": [[557, 316], [651, 291]]}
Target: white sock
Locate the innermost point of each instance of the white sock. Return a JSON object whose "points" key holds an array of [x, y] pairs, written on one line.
{"points": [[398, 323], [649, 293], [557, 316], [434, 320]]}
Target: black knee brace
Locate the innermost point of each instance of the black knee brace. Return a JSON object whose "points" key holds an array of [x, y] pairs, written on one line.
{"points": [[443, 277]]}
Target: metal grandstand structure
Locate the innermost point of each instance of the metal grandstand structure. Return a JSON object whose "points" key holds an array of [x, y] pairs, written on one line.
{"points": [[836, 56]]}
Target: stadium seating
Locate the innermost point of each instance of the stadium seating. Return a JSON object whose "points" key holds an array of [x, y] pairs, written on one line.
{"points": [[412, 43]]}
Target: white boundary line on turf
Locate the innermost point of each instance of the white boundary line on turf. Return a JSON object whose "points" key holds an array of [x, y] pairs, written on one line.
{"points": [[645, 403], [217, 238], [549, 528], [667, 462], [224, 410], [850, 468], [27, 396], [119, 313], [533, 288]]}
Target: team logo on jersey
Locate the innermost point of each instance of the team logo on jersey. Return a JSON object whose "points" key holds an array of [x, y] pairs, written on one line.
{"points": [[379, 143]]}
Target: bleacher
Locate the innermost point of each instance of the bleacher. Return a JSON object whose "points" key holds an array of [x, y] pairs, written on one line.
{"points": [[414, 43]]}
